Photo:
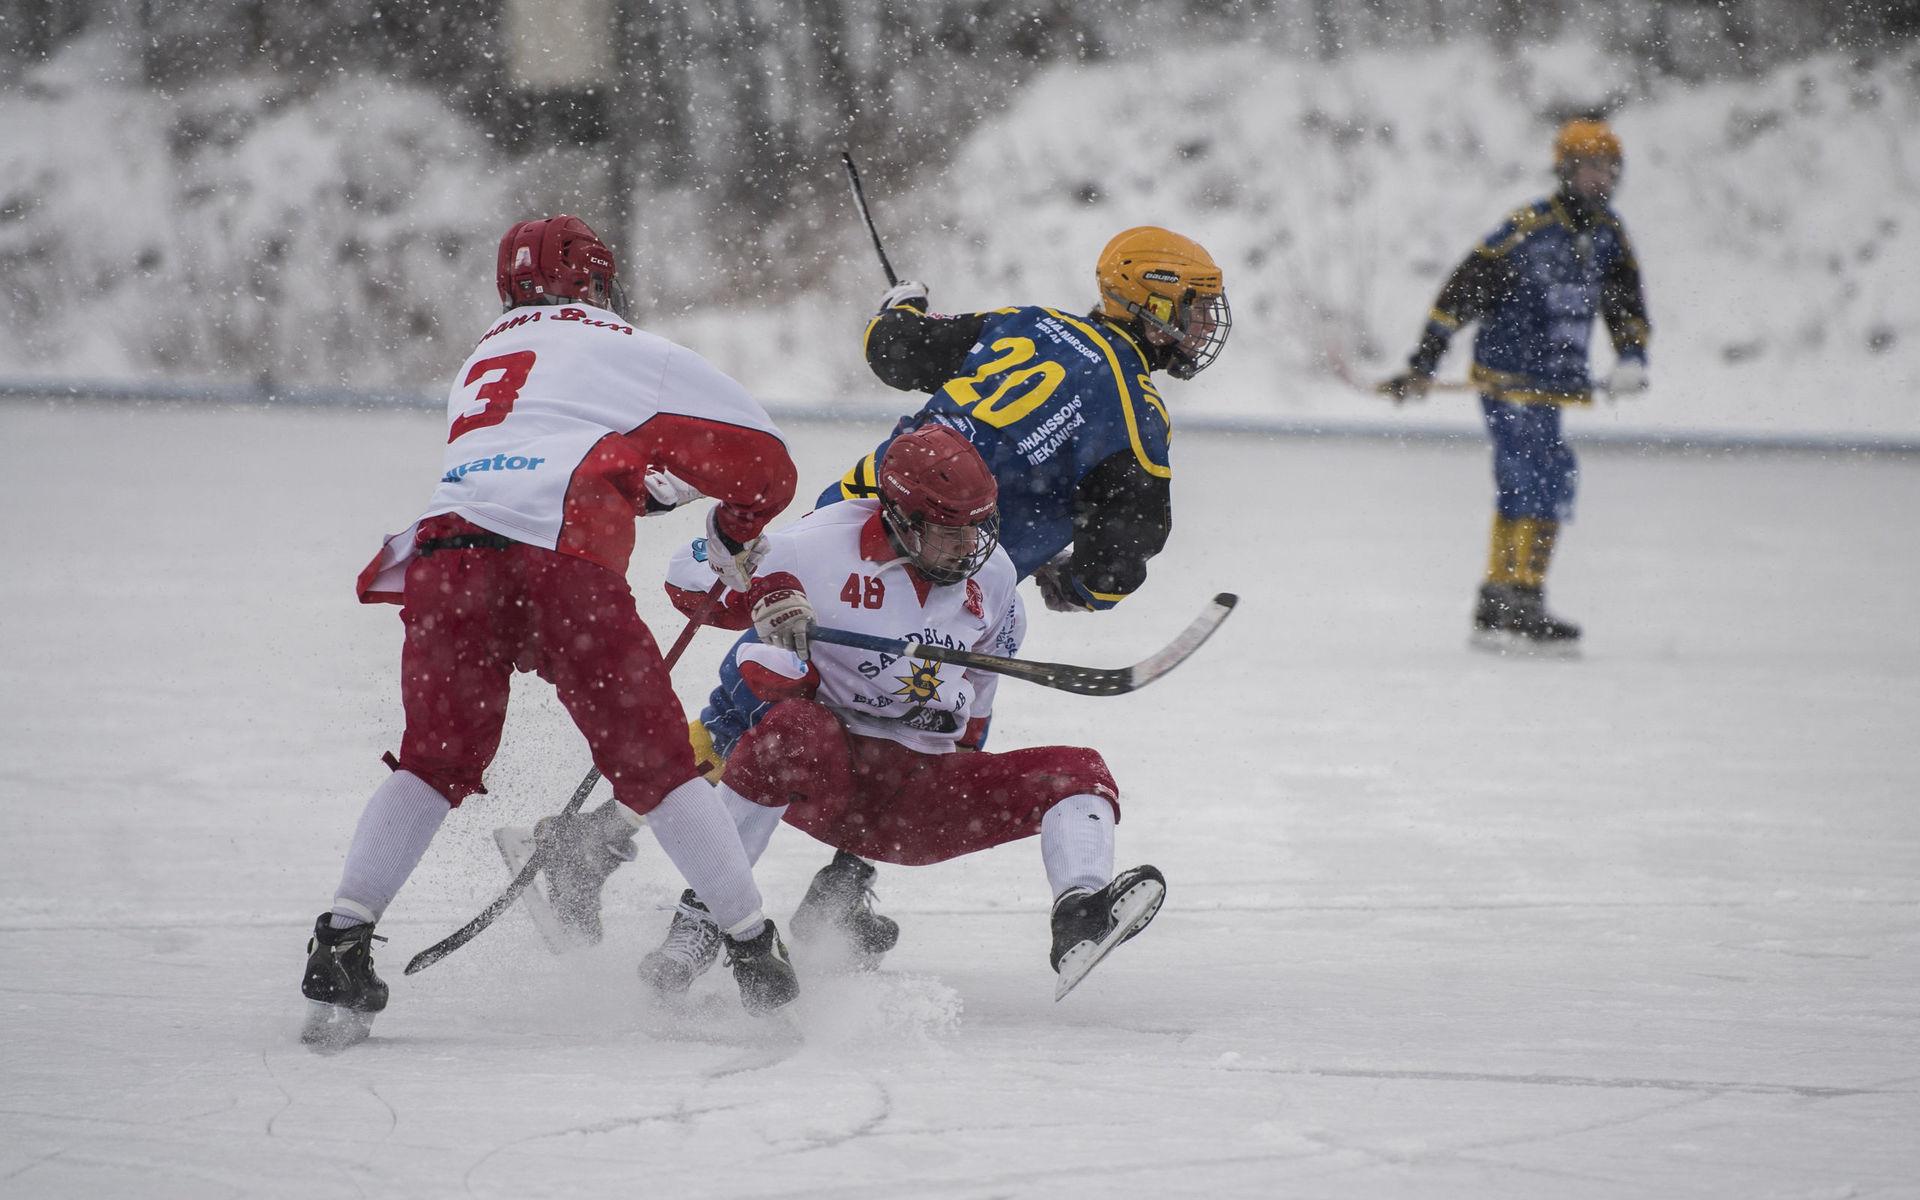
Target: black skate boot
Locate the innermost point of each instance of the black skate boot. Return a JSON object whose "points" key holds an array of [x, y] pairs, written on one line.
{"points": [[839, 905], [1514, 616], [763, 971], [580, 851], [1088, 925], [342, 991], [692, 945]]}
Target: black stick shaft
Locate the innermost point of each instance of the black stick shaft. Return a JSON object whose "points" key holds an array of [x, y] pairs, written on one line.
{"points": [[866, 214]]}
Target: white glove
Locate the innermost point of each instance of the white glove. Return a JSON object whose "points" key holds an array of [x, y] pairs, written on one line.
{"points": [[910, 292], [782, 614], [1628, 378], [732, 562], [667, 490]]}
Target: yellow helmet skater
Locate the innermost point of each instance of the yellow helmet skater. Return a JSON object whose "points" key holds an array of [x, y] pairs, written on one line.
{"points": [[1168, 288]]}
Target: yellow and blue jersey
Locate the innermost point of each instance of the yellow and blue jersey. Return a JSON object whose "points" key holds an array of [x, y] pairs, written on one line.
{"points": [[1064, 411], [1535, 285]]}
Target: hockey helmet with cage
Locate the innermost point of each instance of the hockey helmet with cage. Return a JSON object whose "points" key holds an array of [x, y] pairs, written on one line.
{"points": [[940, 502], [555, 259], [1173, 290]]}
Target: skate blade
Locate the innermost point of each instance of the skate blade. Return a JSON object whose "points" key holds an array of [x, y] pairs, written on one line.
{"points": [[1135, 907], [517, 847], [1500, 641], [329, 1028]]}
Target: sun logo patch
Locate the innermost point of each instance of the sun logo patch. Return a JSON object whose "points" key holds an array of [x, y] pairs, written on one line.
{"points": [[921, 684]]}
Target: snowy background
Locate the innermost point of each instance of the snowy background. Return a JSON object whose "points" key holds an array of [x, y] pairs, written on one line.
{"points": [[1439, 924], [339, 234]]}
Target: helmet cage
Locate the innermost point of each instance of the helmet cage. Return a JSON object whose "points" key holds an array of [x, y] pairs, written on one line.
{"points": [[926, 543], [1193, 329]]}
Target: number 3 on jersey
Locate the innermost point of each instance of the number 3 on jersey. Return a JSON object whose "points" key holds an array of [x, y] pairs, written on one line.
{"points": [[496, 396]]}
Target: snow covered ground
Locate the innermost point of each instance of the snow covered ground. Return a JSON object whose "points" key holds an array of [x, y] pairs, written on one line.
{"points": [[1439, 924]]}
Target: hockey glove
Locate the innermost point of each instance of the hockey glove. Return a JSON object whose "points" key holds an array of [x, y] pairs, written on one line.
{"points": [[1628, 378], [1056, 586], [666, 491], [1407, 385], [734, 562], [782, 614], [908, 292]]}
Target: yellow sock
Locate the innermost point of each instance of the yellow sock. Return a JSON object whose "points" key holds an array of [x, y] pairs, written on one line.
{"points": [[1507, 548], [1537, 553]]}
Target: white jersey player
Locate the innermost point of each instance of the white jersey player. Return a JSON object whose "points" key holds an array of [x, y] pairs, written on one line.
{"points": [[878, 755], [564, 424]]}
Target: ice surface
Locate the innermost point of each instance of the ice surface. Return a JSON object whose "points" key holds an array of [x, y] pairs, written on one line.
{"points": [[1438, 924]]}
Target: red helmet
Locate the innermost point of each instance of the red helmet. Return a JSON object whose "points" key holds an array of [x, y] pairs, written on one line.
{"points": [[940, 502], [556, 258]]}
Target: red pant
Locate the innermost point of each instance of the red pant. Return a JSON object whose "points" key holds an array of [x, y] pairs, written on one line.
{"points": [[475, 616], [880, 800]]}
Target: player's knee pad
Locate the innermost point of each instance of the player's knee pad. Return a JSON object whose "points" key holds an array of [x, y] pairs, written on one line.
{"points": [[782, 753], [454, 782], [1080, 771]]}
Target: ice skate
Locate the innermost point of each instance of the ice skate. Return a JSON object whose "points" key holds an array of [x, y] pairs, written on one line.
{"points": [[580, 853], [1513, 617], [838, 907], [763, 971], [692, 945], [342, 991], [1087, 925]]}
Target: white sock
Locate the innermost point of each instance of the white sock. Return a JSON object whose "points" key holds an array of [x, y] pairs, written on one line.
{"points": [[395, 828], [697, 833], [755, 822], [1076, 843]]}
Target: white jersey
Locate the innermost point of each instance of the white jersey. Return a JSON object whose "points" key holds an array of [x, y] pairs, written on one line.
{"points": [[529, 418], [849, 570]]}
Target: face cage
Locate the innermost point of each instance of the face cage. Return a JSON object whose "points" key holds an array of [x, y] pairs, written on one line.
{"points": [[1204, 322], [907, 531], [1195, 330]]}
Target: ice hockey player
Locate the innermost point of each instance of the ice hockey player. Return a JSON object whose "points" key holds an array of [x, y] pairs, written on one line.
{"points": [[1535, 285], [879, 756], [565, 424], [1064, 411]]}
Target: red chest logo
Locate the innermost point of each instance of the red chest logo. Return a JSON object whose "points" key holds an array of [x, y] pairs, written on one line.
{"points": [[976, 603]]}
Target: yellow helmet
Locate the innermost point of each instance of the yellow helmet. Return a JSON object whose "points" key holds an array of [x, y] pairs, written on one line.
{"points": [[1172, 287], [1582, 138]]}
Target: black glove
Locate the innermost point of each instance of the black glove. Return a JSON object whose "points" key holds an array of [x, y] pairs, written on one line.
{"points": [[1407, 385], [1056, 586]]}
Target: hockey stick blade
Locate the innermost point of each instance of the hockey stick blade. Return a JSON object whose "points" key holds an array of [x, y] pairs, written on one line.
{"points": [[501, 903], [1082, 681], [466, 933]]}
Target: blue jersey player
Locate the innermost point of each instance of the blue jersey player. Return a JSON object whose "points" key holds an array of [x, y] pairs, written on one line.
{"points": [[1063, 408], [1535, 285]]}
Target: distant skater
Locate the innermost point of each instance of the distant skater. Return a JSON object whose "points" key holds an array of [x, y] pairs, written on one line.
{"points": [[1535, 285]]}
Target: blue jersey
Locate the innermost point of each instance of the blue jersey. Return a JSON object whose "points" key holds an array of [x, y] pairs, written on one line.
{"points": [[1045, 397], [1535, 285]]}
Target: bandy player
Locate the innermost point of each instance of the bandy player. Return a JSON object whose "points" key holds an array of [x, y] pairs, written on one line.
{"points": [[564, 425], [878, 756]]}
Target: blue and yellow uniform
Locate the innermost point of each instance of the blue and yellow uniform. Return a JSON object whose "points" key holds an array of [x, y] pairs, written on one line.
{"points": [[1064, 411], [1535, 285]]}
